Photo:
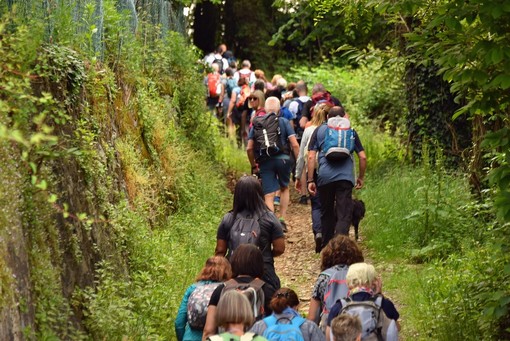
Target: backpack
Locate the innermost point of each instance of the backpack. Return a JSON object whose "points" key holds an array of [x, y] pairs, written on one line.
{"points": [[336, 288], [213, 84], [231, 84], [245, 230], [369, 312], [245, 75], [198, 302], [253, 291], [286, 113], [267, 135], [283, 331], [219, 61], [243, 95], [297, 127], [339, 140], [228, 337], [321, 97]]}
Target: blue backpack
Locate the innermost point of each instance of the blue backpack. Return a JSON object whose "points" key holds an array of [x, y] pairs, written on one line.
{"points": [[339, 140], [285, 113], [277, 331]]}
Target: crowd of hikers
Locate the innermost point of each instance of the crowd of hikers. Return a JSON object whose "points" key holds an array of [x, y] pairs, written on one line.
{"points": [[288, 134]]}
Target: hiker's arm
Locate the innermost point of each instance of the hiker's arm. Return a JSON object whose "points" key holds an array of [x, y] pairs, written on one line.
{"points": [[221, 248], [311, 166], [210, 322], [303, 121], [231, 104], [294, 145], [278, 246], [327, 332], [362, 167], [314, 310], [251, 154]]}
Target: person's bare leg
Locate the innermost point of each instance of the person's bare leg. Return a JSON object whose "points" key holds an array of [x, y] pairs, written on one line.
{"points": [[284, 201], [269, 198]]}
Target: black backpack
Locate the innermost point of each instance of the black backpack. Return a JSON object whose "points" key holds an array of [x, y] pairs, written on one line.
{"points": [[267, 136], [245, 230]]}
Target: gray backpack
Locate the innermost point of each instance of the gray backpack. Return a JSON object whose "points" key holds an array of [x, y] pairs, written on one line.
{"points": [[369, 312], [198, 302]]}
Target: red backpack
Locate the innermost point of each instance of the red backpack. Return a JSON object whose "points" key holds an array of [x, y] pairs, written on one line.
{"points": [[243, 95], [213, 80]]}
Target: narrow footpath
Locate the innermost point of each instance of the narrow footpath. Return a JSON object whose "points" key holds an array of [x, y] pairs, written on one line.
{"points": [[299, 266]]}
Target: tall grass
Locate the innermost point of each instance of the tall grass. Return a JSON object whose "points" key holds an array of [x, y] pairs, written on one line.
{"points": [[438, 248]]}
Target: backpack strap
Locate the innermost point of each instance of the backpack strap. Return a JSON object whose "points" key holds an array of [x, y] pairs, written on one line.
{"points": [[297, 321], [345, 302], [230, 284], [378, 302], [215, 338], [248, 336], [257, 284]]}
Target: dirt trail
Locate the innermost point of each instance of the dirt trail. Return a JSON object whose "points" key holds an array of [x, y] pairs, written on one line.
{"points": [[299, 266]]}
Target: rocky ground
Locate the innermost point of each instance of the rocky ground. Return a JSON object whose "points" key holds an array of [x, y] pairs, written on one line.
{"points": [[299, 266]]}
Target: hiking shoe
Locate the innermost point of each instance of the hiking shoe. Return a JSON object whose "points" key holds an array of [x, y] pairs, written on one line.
{"points": [[318, 242], [303, 200], [276, 201], [284, 226]]}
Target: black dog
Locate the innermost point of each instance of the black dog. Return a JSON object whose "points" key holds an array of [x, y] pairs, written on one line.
{"points": [[358, 212]]}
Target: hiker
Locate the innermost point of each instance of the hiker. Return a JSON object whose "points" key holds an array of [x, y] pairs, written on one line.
{"points": [[247, 270], [330, 285], [250, 215], [215, 90], [295, 108], [365, 286], [245, 72], [216, 57], [259, 75], [274, 80], [238, 99], [270, 142], [319, 95], [345, 328], [235, 316], [285, 322], [229, 84], [253, 108], [319, 117], [190, 319], [289, 95], [336, 177]]}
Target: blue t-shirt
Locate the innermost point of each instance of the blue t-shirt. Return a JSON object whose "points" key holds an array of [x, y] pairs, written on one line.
{"points": [[286, 131], [332, 171]]}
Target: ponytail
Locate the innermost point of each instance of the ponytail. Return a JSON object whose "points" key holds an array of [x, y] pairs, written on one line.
{"points": [[282, 299]]}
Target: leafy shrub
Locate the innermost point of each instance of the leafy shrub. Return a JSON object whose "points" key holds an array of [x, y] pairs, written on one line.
{"points": [[372, 92]]}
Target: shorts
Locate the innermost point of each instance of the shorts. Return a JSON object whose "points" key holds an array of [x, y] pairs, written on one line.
{"points": [[275, 173]]}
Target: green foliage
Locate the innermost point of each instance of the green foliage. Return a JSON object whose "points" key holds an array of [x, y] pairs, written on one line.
{"points": [[372, 93], [123, 183], [315, 29]]}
